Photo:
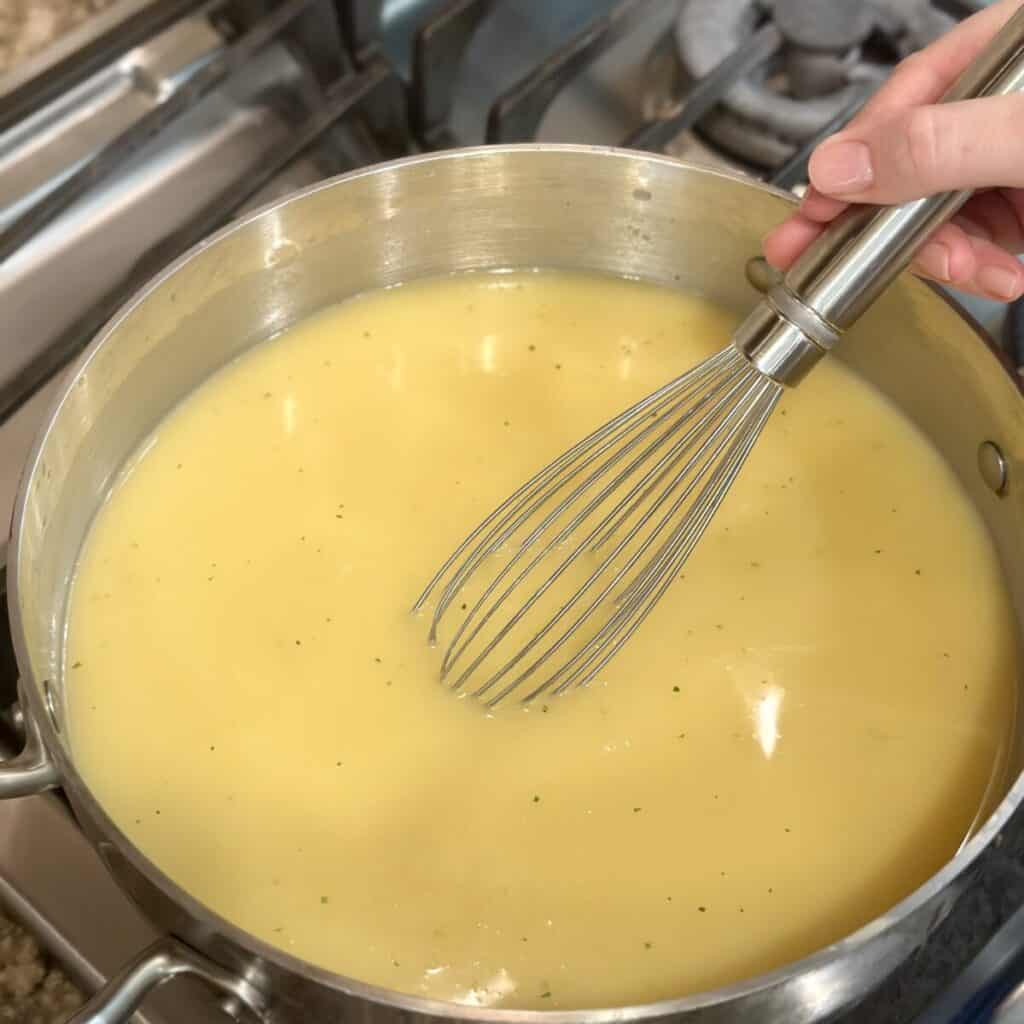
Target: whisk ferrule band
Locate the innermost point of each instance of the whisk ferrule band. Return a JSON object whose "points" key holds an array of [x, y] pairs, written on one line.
{"points": [[788, 304], [783, 338]]}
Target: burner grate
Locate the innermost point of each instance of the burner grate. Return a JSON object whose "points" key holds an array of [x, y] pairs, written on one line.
{"points": [[830, 58]]}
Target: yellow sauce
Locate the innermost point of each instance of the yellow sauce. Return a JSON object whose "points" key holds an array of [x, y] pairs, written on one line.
{"points": [[806, 728]]}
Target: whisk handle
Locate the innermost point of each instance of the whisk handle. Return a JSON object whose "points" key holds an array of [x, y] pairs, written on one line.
{"points": [[851, 263]]}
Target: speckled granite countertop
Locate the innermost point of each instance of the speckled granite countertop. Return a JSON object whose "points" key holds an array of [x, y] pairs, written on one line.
{"points": [[28, 26], [32, 990]]}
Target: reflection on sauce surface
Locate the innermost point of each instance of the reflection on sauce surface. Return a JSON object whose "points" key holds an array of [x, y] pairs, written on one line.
{"points": [[803, 731]]}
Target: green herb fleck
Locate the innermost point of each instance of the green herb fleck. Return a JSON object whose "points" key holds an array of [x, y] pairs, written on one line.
{"points": [[323, 899], [536, 798]]}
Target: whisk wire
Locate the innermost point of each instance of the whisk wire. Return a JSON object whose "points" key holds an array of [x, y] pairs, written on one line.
{"points": [[550, 483], [459, 644], [515, 502], [626, 603], [651, 479], [619, 632], [708, 450]]}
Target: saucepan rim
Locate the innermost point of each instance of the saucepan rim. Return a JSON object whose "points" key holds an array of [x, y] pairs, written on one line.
{"points": [[250, 945]]}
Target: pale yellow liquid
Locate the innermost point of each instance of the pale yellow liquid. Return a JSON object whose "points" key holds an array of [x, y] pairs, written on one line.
{"points": [[806, 728]]}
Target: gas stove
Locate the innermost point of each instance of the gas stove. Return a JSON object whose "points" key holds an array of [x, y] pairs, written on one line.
{"points": [[153, 123]]}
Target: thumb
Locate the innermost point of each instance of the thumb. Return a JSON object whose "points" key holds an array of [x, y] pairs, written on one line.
{"points": [[917, 152]]}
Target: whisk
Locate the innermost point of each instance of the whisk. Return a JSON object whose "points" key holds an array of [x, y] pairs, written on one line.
{"points": [[550, 586]]}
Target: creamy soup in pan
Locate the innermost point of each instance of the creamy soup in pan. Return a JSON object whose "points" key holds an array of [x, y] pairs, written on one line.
{"points": [[807, 727]]}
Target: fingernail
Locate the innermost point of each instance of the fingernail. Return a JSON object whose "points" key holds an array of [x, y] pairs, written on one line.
{"points": [[842, 167], [934, 259], [999, 282]]}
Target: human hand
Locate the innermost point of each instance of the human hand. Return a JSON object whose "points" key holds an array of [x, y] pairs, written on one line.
{"points": [[904, 145]]}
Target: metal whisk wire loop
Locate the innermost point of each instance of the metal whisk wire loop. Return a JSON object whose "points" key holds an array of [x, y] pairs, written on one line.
{"points": [[595, 538]]}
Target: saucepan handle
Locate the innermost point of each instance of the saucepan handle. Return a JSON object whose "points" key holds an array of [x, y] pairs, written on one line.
{"points": [[31, 771], [167, 958]]}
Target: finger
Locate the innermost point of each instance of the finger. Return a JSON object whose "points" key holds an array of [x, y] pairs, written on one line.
{"points": [[994, 273], [784, 243], [918, 152], [996, 215], [959, 254], [999, 276], [815, 206], [948, 256]]}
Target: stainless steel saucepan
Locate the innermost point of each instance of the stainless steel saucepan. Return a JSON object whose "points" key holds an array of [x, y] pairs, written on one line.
{"points": [[519, 206]]}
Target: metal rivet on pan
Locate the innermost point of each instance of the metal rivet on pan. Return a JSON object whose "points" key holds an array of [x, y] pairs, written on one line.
{"points": [[992, 466], [760, 273]]}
